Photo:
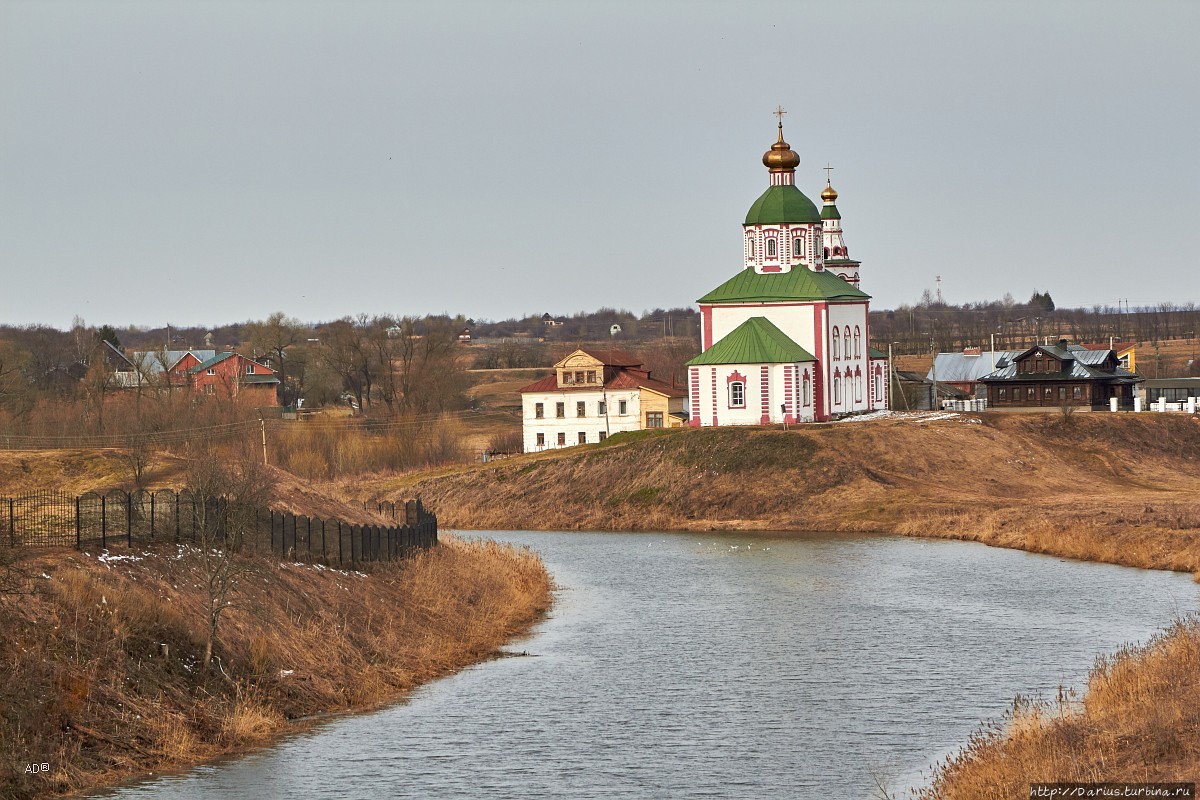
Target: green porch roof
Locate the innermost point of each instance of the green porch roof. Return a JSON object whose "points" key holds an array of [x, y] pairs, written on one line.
{"points": [[873, 353], [780, 204], [755, 341], [801, 283]]}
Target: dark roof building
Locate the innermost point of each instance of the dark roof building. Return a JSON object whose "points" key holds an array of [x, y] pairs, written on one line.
{"points": [[1060, 376]]}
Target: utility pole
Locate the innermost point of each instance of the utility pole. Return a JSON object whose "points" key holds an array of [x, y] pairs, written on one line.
{"points": [[263, 425], [933, 401]]}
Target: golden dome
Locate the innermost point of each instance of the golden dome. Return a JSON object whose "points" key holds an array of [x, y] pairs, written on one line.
{"points": [[781, 157], [828, 194]]}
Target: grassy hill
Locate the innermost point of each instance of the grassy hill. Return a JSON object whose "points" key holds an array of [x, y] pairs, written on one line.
{"points": [[1120, 489]]}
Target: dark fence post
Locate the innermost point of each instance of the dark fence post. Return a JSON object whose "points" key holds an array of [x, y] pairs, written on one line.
{"points": [[308, 534], [177, 516], [78, 532], [129, 519], [12, 520], [152, 515], [103, 522]]}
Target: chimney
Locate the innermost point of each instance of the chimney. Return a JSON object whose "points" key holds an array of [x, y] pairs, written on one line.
{"points": [[1062, 343]]}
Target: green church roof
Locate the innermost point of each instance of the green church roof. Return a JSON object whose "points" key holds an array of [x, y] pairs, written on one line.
{"points": [[801, 283], [780, 204], [873, 353], [755, 341], [830, 212]]}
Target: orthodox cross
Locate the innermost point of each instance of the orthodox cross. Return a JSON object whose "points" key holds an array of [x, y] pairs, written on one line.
{"points": [[828, 169], [779, 112]]}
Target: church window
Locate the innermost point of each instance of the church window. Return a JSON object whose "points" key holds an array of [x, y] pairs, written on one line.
{"points": [[737, 394], [770, 248], [797, 248], [858, 388], [846, 342], [857, 342], [837, 344], [807, 394], [750, 248], [827, 252], [837, 390], [878, 384]]}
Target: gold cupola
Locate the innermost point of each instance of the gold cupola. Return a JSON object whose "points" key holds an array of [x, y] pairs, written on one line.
{"points": [[781, 157], [828, 194]]}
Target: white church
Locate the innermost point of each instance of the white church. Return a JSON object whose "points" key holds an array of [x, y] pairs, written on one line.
{"points": [[786, 338]]}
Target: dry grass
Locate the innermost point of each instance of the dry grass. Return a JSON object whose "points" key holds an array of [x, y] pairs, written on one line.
{"points": [[84, 686], [1139, 722]]}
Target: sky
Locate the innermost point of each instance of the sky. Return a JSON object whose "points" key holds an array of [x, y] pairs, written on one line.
{"points": [[198, 163]]}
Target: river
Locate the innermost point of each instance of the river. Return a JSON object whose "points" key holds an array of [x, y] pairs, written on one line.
{"points": [[722, 665]]}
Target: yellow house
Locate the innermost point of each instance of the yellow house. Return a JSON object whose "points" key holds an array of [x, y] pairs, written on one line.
{"points": [[594, 394]]}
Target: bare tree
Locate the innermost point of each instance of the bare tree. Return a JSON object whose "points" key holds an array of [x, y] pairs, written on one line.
{"points": [[228, 497]]}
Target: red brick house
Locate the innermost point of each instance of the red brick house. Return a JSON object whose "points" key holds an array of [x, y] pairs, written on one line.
{"points": [[233, 376]]}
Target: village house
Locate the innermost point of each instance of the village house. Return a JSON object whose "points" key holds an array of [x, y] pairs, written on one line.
{"points": [[233, 376], [786, 339], [1058, 376], [592, 395], [964, 371], [152, 367]]}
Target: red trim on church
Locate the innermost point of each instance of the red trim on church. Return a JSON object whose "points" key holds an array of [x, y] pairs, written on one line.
{"points": [[764, 374]]}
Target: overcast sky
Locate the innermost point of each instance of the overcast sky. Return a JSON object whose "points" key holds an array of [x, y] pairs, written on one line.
{"points": [[207, 162]]}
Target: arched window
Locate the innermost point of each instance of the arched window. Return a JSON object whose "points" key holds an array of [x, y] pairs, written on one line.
{"points": [[797, 248], [858, 387], [857, 342], [827, 252], [770, 248], [837, 344], [750, 248], [846, 343], [737, 394], [837, 389], [878, 384], [807, 394]]}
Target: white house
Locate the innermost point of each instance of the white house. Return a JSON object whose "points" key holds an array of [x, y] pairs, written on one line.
{"points": [[592, 395], [786, 338]]}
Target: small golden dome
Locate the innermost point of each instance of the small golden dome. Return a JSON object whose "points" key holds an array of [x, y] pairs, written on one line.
{"points": [[828, 194], [781, 157]]}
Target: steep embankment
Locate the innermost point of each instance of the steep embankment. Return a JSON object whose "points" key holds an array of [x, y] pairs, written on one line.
{"points": [[1120, 489], [86, 688]]}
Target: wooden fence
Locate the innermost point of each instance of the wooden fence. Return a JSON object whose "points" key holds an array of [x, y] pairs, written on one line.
{"points": [[50, 519]]}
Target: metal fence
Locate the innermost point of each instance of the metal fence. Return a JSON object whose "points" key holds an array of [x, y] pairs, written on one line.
{"points": [[58, 519]]}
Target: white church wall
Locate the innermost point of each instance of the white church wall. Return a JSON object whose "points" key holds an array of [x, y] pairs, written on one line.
{"points": [[852, 365], [796, 321]]}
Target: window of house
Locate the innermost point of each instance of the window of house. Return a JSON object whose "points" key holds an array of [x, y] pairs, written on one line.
{"points": [[579, 377], [1003, 395], [601, 408], [539, 410], [583, 437], [1077, 392], [1062, 393], [1029, 393], [562, 438], [210, 371], [654, 419], [603, 435], [210, 388], [591, 376], [770, 248], [622, 407], [1046, 393], [737, 395], [581, 409], [249, 369], [837, 344], [568, 378], [560, 410], [797, 248], [541, 440]]}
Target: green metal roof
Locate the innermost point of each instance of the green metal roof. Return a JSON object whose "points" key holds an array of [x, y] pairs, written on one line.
{"points": [[830, 212], [780, 204], [873, 353], [755, 341], [801, 283]]}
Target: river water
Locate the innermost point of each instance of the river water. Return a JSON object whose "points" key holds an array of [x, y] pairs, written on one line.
{"points": [[749, 665]]}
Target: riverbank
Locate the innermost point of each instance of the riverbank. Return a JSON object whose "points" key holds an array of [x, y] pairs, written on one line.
{"points": [[86, 689], [1120, 489]]}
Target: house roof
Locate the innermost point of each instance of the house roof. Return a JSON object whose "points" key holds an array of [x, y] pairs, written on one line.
{"points": [[615, 358], [962, 368], [801, 283], [228, 354], [782, 204], [755, 341], [1080, 364], [625, 378], [152, 360]]}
